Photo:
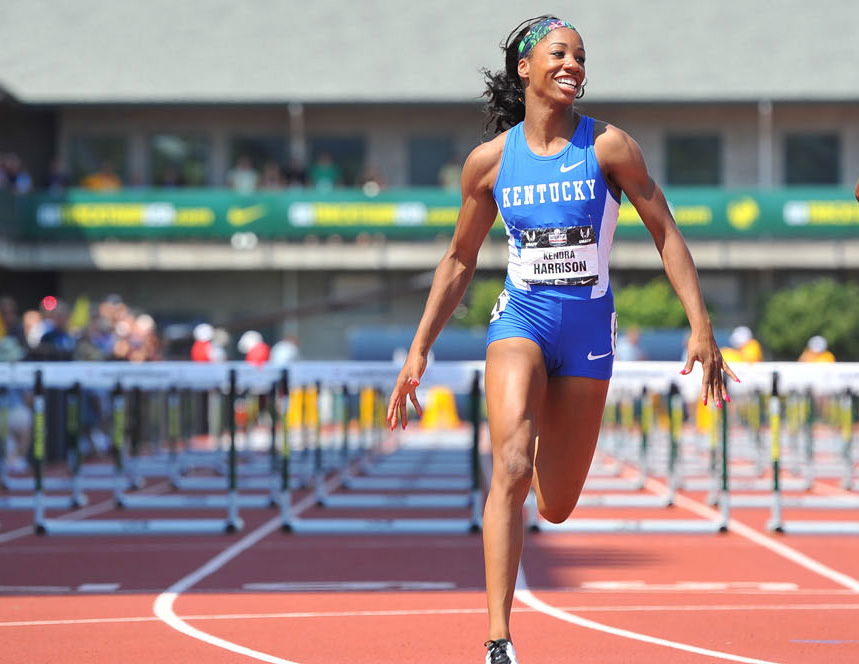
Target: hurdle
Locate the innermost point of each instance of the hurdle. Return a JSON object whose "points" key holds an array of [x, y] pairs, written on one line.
{"points": [[105, 527], [75, 483], [777, 523], [408, 526], [229, 498], [653, 375], [630, 496]]}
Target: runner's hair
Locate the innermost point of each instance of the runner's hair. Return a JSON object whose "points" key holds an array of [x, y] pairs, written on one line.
{"points": [[505, 105]]}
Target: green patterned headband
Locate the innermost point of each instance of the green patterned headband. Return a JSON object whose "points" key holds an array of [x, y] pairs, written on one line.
{"points": [[538, 31]]}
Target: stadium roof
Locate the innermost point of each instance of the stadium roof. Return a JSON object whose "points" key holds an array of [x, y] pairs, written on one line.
{"points": [[336, 51]]}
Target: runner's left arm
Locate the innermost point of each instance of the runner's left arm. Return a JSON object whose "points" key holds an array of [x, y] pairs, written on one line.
{"points": [[627, 169]]}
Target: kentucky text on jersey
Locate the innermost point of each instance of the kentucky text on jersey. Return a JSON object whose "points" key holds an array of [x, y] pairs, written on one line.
{"points": [[556, 203], [568, 190]]}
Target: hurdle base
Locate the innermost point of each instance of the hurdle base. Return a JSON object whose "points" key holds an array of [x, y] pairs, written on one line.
{"points": [[655, 526], [108, 527], [395, 501], [381, 526], [819, 528], [195, 502], [29, 502]]}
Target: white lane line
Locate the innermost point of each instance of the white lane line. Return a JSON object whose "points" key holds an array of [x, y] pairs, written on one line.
{"points": [[690, 586], [759, 538], [163, 606], [524, 595], [296, 615], [346, 586]]}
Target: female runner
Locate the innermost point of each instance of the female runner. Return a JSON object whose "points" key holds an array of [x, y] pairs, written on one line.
{"points": [[556, 177]]}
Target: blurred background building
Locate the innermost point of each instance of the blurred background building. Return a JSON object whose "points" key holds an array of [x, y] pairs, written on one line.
{"points": [[291, 167]]}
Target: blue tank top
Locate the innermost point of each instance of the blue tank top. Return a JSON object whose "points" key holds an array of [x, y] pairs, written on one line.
{"points": [[559, 214]]}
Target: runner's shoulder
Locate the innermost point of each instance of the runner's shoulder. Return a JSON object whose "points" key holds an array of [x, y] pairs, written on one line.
{"points": [[611, 141], [481, 166]]}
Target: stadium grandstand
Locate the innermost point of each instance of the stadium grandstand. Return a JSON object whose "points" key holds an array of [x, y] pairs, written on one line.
{"points": [[279, 165]]}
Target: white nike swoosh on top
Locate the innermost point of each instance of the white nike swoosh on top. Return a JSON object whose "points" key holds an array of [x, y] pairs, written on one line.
{"points": [[567, 169], [591, 356]]}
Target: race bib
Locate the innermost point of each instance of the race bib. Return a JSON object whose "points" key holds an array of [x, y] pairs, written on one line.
{"points": [[560, 256]]}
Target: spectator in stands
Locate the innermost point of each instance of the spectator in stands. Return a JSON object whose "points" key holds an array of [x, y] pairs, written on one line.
{"points": [[11, 351], [285, 351], [254, 348], [143, 340], [56, 343], [629, 346], [450, 174], [58, 178], [34, 327], [10, 322], [371, 180], [271, 176], [296, 174], [172, 178], [243, 178], [324, 174], [220, 342], [744, 347], [816, 350], [105, 179], [4, 176], [13, 174], [96, 342], [201, 350]]}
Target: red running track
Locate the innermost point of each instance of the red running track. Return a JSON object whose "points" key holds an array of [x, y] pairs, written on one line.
{"points": [[745, 595]]}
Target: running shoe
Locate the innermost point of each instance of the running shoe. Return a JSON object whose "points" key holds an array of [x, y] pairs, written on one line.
{"points": [[500, 651]]}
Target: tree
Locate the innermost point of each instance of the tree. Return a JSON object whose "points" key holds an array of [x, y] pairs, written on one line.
{"points": [[652, 305], [826, 307], [482, 296]]}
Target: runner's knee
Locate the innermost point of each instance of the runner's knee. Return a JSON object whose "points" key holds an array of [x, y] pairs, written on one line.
{"points": [[514, 468], [558, 512]]}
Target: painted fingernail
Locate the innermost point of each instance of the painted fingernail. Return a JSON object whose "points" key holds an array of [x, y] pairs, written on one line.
{"points": [[727, 398], [718, 404], [705, 401]]}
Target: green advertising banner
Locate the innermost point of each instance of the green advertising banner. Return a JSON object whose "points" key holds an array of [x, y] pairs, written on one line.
{"points": [[398, 213]]}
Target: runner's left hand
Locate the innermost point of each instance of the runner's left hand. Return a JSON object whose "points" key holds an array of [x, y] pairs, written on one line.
{"points": [[702, 347]]}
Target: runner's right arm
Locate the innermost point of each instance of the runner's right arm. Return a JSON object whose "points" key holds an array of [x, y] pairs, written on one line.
{"points": [[454, 271]]}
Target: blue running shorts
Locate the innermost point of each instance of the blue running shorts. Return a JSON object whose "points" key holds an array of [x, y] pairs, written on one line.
{"points": [[577, 337]]}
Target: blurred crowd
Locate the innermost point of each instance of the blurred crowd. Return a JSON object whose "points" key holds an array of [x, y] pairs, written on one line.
{"points": [[14, 175], [112, 330], [56, 331], [741, 347], [245, 176]]}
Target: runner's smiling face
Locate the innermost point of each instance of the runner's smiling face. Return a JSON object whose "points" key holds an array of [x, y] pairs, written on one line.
{"points": [[554, 70]]}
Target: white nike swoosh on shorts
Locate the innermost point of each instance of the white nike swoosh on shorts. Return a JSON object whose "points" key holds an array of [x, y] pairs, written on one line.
{"points": [[567, 169], [591, 356]]}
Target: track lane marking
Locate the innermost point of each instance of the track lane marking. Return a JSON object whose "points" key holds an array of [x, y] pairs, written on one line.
{"points": [[382, 613], [759, 538], [524, 595], [163, 605]]}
